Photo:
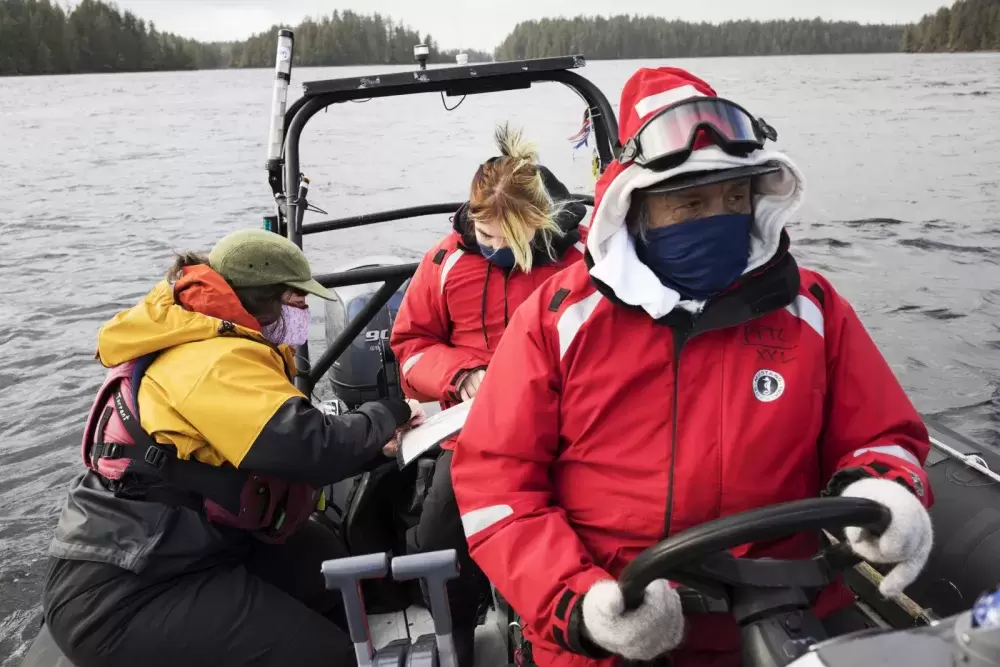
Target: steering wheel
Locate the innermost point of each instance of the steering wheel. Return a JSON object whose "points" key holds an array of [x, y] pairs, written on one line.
{"points": [[765, 595]]}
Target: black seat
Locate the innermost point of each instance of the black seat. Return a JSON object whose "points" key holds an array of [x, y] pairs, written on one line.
{"points": [[380, 508]]}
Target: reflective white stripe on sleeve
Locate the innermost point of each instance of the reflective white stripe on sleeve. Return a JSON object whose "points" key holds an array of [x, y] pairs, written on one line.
{"points": [[579, 246], [891, 450], [479, 520], [807, 311], [408, 364], [448, 264], [573, 318]]}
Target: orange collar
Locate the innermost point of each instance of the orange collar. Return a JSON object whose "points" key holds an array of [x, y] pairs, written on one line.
{"points": [[204, 291]]}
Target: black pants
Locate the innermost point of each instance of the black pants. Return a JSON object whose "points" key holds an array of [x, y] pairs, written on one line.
{"points": [[268, 608], [440, 528]]}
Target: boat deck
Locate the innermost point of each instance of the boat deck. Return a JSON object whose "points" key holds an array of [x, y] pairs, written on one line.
{"points": [[490, 643]]}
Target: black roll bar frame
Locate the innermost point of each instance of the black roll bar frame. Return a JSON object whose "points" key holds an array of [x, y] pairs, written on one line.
{"points": [[285, 177]]}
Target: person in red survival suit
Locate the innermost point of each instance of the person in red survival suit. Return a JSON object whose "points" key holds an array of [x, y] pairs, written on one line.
{"points": [[518, 228], [688, 370]]}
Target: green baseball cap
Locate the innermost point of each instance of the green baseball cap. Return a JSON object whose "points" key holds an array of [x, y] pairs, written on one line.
{"points": [[257, 257]]}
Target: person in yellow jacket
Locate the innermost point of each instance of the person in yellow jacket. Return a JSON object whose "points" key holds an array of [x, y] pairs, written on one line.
{"points": [[187, 539]]}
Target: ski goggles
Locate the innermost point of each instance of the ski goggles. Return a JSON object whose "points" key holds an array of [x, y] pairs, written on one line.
{"points": [[667, 139]]}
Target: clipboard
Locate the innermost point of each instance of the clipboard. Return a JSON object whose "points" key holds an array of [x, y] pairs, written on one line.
{"points": [[438, 428]]}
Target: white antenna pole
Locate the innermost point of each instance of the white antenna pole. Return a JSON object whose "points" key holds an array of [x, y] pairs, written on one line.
{"points": [[282, 77]]}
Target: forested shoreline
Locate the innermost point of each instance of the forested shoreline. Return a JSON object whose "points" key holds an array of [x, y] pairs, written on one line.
{"points": [[40, 37], [632, 37], [968, 25]]}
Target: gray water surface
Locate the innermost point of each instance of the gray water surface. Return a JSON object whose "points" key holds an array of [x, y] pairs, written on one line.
{"points": [[106, 175]]}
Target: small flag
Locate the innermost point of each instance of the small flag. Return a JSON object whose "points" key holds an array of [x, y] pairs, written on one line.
{"points": [[582, 136]]}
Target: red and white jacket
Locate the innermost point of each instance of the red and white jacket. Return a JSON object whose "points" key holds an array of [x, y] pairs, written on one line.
{"points": [[458, 304], [614, 415]]}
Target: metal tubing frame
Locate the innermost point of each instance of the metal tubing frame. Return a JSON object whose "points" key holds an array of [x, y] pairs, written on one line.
{"points": [[398, 274], [304, 378], [401, 214], [302, 110], [380, 216], [602, 116], [367, 275]]}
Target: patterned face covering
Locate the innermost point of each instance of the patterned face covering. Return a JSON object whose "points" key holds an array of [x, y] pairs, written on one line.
{"points": [[292, 328]]}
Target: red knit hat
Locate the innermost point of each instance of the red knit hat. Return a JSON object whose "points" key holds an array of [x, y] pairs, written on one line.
{"points": [[649, 90]]}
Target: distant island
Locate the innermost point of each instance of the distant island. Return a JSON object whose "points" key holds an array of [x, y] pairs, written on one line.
{"points": [[38, 37], [628, 37], [970, 25]]}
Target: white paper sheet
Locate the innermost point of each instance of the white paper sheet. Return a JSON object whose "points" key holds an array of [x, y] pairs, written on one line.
{"points": [[436, 429]]}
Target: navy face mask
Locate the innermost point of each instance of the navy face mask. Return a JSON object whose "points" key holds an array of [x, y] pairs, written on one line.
{"points": [[698, 258], [502, 257]]}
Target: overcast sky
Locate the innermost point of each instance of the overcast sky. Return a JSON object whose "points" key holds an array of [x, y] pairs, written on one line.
{"points": [[483, 24]]}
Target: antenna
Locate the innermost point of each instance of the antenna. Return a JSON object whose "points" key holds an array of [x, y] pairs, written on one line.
{"points": [[276, 135], [282, 77]]}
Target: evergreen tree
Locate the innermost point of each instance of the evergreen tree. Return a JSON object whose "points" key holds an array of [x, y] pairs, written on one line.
{"points": [[969, 25], [39, 37], [653, 37], [346, 38]]}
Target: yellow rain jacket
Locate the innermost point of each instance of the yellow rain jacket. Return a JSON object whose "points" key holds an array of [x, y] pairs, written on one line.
{"points": [[217, 392], [214, 381]]}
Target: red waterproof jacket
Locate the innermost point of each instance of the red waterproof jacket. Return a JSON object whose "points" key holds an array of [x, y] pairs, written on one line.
{"points": [[614, 415], [601, 431], [458, 304]]}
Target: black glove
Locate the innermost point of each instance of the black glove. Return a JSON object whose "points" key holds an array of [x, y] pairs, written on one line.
{"points": [[399, 408]]}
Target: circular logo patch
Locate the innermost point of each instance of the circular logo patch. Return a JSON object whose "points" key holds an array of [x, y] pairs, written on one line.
{"points": [[768, 385]]}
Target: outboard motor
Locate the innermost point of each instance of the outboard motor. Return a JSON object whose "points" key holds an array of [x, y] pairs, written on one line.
{"points": [[367, 370]]}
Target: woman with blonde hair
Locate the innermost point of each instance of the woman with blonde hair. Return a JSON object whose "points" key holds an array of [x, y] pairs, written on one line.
{"points": [[518, 228]]}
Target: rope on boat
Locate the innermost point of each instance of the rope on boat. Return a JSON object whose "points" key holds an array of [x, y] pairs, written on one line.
{"points": [[974, 461], [874, 577]]}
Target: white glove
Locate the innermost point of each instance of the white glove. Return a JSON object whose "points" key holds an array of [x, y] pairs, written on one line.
{"points": [[906, 541], [656, 627]]}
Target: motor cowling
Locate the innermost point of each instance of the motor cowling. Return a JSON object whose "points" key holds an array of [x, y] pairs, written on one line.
{"points": [[367, 370]]}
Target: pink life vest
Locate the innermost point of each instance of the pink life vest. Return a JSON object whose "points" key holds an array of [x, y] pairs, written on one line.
{"points": [[134, 465]]}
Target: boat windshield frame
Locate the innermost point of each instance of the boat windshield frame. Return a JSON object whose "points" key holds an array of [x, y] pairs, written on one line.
{"points": [[461, 80]]}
